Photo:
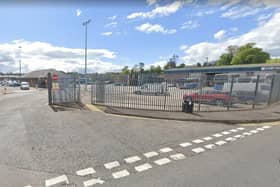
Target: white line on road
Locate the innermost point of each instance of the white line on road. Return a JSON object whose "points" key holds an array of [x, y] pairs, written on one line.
{"points": [[120, 174], [247, 134], [220, 142], [233, 130], [162, 161], [198, 150], [84, 172], [260, 129], [92, 182], [240, 128], [57, 180], [238, 136], [226, 132], [111, 165], [210, 146], [207, 138], [217, 135], [254, 131], [132, 159], [150, 154], [198, 141], [266, 127], [230, 139], [166, 150], [178, 156], [185, 144], [143, 167]]}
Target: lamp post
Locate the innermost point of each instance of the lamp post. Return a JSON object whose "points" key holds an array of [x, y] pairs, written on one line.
{"points": [[85, 24], [19, 63]]}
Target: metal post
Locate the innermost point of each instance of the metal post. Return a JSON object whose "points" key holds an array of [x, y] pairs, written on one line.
{"points": [[271, 90], [200, 92], [256, 92], [50, 88], [85, 24], [74, 87], [19, 64], [165, 94], [230, 92]]}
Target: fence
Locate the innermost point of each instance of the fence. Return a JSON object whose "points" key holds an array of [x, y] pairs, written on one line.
{"points": [[153, 92], [63, 89]]}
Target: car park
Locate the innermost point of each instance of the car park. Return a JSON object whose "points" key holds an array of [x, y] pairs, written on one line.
{"points": [[152, 89], [24, 86]]}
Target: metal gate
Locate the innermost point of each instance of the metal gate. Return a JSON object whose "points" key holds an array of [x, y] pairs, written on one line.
{"points": [[63, 89]]}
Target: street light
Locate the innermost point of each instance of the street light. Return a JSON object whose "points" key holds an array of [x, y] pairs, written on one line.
{"points": [[20, 62], [85, 24]]}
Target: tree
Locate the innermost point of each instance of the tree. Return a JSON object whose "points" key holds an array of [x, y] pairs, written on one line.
{"points": [[125, 70], [181, 65], [171, 62], [141, 67], [225, 59], [198, 64], [248, 54]]}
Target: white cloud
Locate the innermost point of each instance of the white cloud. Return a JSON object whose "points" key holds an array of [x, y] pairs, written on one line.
{"points": [[113, 17], [265, 36], [220, 34], [158, 11], [151, 2], [149, 28], [106, 33], [41, 55], [183, 47], [240, 12], [204, 13], [111, 24], [263, 18], [190, 24], [78, 12]]}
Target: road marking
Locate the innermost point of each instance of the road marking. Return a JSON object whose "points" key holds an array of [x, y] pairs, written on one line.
{"points": [[198, 141], [226, 132], [260, 129], [57, 180], [210, 146], [150, 154], [84, 172], [220, 142], [166, 150], [207, 138], [120, 174], [28, 186], [233, 130], [247, 133], [132, 159], [143, 167], [198, 150], [185, 144], [217, 135], [230, 139], [111, 165], [240, 128], [254, 131], [178, 156], [92, 182], [162, 161], [266, 127], [238, 136]]}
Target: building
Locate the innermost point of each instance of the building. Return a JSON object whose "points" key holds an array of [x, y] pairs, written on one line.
{"points": [[211, 71]]}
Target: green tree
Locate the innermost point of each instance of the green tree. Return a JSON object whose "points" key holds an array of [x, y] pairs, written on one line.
{"points": [[249, 54], [181, 65], [171, 62], [198, 64], [225, 59], [125, 70]]}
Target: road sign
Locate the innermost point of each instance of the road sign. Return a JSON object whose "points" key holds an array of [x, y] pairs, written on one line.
{"points": [[55, 77]]}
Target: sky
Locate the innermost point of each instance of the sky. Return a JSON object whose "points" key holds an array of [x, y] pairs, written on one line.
{"points": [[51, 35]]}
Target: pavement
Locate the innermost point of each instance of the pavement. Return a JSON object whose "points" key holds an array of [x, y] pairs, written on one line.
{"points": [[40, 146], [268, 114]]}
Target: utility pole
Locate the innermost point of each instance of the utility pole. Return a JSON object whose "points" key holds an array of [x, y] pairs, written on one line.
{"points": [[19, 64], [85, 24]]}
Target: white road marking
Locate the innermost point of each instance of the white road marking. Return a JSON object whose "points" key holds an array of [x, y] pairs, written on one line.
{"points": [[226, 132], [57, 180], [92, 182], [254, 131], [198, 141], [166, 150], [120, 174], [150, 154], [220, 142], [28, 186], [84, 172], [132, 159], [198, 150], [260, 129], [217, 135], [162, 161], [247, 133], [266, 127], [207, 138], [238, 136], [210, 146], [240, 128], [178, 156], [233, 130], [111, 165], [185, 144], [230, 139], [143, 167]]}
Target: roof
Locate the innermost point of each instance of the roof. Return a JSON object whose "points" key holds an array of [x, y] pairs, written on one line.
{"points": [[42, 73], [225, 69]]}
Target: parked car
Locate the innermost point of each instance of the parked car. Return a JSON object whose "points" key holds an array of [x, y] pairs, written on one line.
{"points": [[190, 85], [211, 97], [24, 86], [152, 89]]}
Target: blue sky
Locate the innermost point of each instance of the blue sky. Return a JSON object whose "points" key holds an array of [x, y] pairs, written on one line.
{"points": [[52, 36]]}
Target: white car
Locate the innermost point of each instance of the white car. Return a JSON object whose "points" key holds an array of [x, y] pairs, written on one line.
{"points": [[152, 89], [24, 86]]}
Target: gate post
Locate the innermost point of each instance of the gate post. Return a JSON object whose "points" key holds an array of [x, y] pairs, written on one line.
{"points": [[271, 90], [256, 92], [50, 88], [230, 93]]}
